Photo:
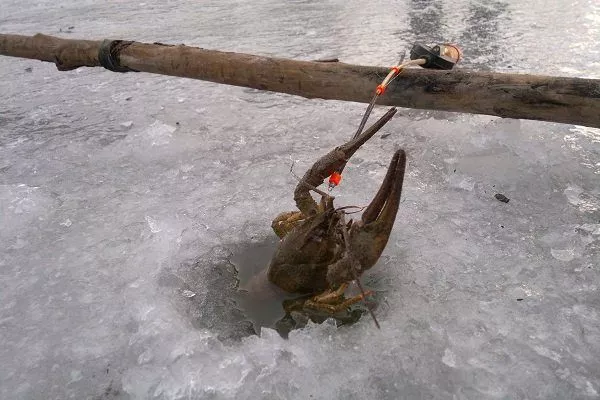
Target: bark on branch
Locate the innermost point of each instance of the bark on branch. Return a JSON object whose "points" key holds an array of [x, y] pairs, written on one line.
{"points": [[546, 98]]}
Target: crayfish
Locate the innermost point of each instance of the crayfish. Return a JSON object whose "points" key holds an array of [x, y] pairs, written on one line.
{"points": [[320, 252]]}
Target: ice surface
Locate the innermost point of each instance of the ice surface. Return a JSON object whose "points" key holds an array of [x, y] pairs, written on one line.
{"points": [[127, 201]]}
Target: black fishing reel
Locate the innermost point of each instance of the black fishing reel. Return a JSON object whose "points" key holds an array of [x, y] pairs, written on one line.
{"points": [[441, 56]]}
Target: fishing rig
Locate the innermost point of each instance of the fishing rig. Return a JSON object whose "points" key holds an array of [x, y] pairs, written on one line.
{"points": [[441, 56]]}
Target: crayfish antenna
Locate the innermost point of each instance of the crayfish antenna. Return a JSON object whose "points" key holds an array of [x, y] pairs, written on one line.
{"points": [[353, 270], [363, 293]]}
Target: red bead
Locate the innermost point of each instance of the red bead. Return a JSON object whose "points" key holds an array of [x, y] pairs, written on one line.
{"points": [[335, 179]]}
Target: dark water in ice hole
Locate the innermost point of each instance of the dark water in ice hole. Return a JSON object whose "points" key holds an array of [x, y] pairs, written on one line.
{"points": [[261, 301]]}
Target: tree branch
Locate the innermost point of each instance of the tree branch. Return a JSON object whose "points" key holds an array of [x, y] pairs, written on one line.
{"points": [[546, 98]]}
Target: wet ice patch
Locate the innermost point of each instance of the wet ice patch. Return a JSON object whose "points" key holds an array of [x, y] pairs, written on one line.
{"points": [[589, 388], [152, 224], [126, 125], [582, 384], [461, 182], [543, 351], [583, 141], [529, 291], [76, 375], [185, 168], [22, 204], [449, 358], [572, 192], [18, 244], [593, 134], [67, 222], [22, 198], [566, 245], [593, 229], [585, 202], [160, 133], [563, 255]]}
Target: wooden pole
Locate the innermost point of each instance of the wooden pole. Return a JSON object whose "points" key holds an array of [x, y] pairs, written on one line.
{"points": [[545, 98]]}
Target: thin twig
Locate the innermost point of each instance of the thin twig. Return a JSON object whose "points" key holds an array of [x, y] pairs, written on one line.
{"points": [[362, 291]]}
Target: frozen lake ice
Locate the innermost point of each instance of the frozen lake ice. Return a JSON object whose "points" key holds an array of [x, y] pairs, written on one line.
{"points": [[128, 201]]}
